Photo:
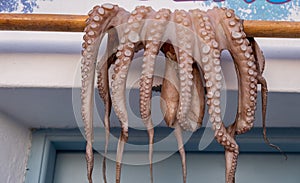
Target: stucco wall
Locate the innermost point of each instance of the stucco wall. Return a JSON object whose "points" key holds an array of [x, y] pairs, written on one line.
{"points": [[14, 147]]}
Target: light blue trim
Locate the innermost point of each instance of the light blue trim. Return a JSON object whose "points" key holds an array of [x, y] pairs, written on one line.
{"points": [[42, 159], [46, 143]]}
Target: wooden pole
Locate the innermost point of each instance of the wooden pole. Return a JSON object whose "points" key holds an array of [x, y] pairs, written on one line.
{"points": [[42, 22], [76, 23], [279, 29]]}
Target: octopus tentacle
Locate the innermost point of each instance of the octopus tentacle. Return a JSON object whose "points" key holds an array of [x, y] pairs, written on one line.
{"points": [[210, 64], [104, 94], [258, 54], [103, 88], [103, 81], [264, 98], [152, 47], [178, 135], [260, 64], [185, 60], [124, 57], [233, 38], [170, 101], [197, 110], [247, 68], [99, 18]]}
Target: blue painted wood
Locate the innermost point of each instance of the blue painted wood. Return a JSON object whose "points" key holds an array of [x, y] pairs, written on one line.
{"points": [[47, 142], [36, 158], [50, 157], [41, 160]]}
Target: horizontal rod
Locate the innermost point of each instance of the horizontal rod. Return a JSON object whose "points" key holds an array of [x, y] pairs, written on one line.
{"points": [[42, 22], [76, 23]]}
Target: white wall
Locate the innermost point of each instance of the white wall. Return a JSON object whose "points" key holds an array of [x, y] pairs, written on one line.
{"points": [[15, 143]]}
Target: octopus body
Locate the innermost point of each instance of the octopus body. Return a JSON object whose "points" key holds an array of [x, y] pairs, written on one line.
{"points": [[192, 42]]}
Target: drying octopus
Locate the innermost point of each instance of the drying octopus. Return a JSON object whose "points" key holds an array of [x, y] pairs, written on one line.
{"points": [[192, 42]]}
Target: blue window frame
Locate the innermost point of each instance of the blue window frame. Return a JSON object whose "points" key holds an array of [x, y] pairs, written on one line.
{"points": [[48, 143]]}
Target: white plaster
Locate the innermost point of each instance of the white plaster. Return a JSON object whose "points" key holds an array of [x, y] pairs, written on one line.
{"points": [[15, 143], [38, 70], [52, 60]]}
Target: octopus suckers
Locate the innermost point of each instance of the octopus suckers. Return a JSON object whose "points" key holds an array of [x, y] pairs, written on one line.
{"points": [[119, 54], [218, 85], [217, 61], [220, 134], [120, 47], [218, 118], [217, 94], [91, 12], [126, 59], [239, 41], [250, 72], [207, 68], [209, 84], [215, 44], [247, 55], [228, 14], [216, 53], [133, 37], [123, 76], [217, 110], [96, 18], [219, 77], [101, 11], [218, 68], [236, 35], [206, 76], [243, 47], [91, 33], [206, 49], [216, 102], [108, 6], [232, 23], [93, 25], [218, 126], [252, 92], [252, 98], [204, 33]]}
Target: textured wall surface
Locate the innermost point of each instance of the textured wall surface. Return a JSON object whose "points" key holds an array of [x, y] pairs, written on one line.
{"points": [[15, 142]]}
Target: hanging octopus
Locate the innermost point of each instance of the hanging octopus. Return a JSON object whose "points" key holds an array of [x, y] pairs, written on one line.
{"points": [[192, 42]]}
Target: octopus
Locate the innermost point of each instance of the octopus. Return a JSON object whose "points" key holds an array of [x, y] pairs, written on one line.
{"points": [[192, 42]]}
